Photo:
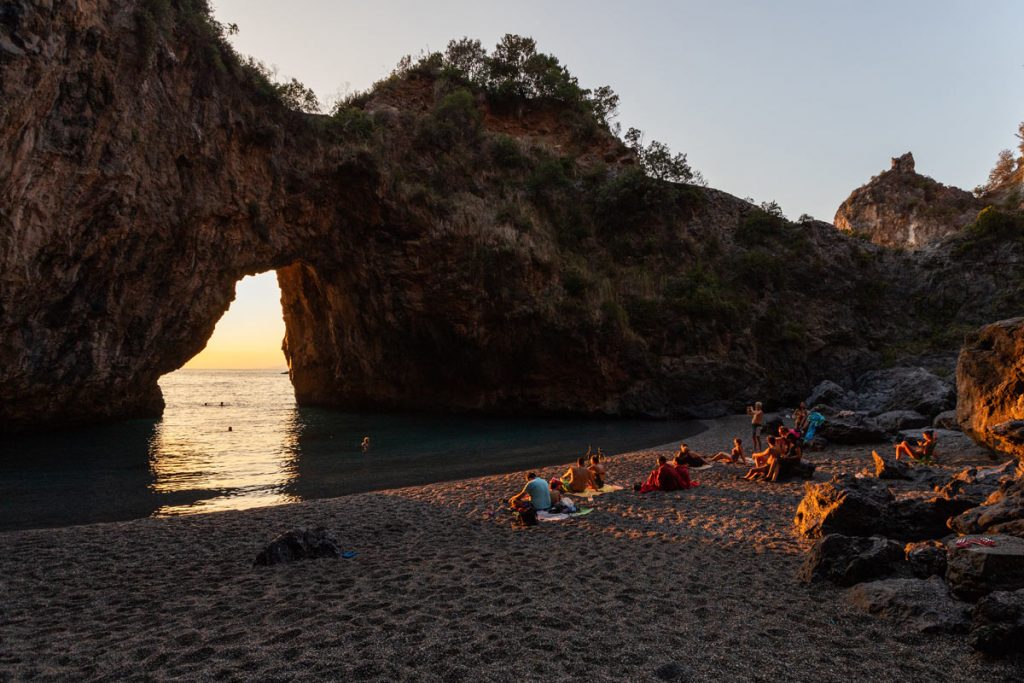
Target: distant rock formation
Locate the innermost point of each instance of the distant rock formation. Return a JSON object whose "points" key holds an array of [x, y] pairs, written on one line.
{"points": [[990, 382], [902, 208]]}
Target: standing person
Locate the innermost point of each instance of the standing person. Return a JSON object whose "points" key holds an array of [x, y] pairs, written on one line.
{"points": [[365, 445], [578, 478], [536, 492], [756, 413], [800, 417]]}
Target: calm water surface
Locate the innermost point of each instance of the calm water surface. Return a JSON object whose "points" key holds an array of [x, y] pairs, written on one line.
{"points": [[188, 462]]}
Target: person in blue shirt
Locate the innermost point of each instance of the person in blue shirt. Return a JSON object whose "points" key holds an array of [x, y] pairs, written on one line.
{"points": [[537, 491]]}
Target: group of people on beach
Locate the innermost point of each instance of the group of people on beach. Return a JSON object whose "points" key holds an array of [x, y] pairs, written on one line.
{"points": [[587, 474], [778, 455]]}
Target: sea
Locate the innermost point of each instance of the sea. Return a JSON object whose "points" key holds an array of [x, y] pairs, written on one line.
{"points": [[235, 439]]}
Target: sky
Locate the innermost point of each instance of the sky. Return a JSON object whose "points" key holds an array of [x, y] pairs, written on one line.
{"points": [[798, 102]]}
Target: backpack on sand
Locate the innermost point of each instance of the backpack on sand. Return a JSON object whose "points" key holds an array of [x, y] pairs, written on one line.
{"points": [[524, 515]]}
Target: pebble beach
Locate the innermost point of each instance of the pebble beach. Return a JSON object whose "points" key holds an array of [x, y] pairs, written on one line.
{"points": [[695, 585]]}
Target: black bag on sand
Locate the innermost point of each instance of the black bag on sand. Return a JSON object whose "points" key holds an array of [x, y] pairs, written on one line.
{"points": [[524, 515]]}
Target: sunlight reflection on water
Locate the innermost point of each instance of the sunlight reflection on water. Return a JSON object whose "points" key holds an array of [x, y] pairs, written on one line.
{"points": [[192, 449]]}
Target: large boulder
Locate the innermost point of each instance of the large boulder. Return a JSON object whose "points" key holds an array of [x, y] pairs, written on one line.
{"points": [[976, 570], [998, 624], [846, 560], [904, 388], [299, 544], [926, 558], [990, 383], [896, 420], [828, 393], [866, 506], [977, 484], [847, 427], [946, 420], [844, 505], [917, 605], [921, 515], [1001, 513]]}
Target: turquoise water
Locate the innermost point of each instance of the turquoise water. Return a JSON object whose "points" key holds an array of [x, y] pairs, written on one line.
{"points": [[188, 462]]}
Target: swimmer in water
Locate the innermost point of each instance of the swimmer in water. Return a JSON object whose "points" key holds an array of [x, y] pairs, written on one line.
{"points": [[365, 445]]}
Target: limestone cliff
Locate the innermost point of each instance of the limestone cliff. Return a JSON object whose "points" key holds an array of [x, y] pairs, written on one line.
{"points": [[436, 249], [902, 208]]}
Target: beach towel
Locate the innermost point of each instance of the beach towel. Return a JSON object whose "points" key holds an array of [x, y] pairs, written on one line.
{"points": [[545, 516], [706, 466], [590, 493]]}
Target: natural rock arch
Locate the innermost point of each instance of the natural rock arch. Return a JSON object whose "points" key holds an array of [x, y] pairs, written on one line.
{"points": [[434, 252]]}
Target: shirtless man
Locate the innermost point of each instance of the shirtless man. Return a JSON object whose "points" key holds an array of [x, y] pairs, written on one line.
{"points": [[690, 458], [756, 413], [597, 467], [578, 478]]}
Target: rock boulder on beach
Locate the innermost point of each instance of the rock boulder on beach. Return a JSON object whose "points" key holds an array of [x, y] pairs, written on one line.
{"points": [[917, 605], [998, 623], [926, 558], [990, 384], [847, 560], [976, 570], [299, 544]]}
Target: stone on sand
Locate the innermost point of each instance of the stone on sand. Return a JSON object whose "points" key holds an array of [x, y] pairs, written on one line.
{"points": [[998, 624], [917, 605], [299, 544], [888, 467], [926, 558], [848, 560]]}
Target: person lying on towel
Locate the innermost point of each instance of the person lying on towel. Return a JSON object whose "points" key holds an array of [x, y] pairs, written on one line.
{"points": [[666, 477], [690, 458]]}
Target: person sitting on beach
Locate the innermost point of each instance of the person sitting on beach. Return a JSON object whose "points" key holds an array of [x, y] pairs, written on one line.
{"points": [[922, 451], [578, 478], [536, 493], [664, 477], [598, 470], [684, 472], [800, 416], [555, 493], [690, 458], [764, 460], [791, 452], [734, 456], [756, 413]]}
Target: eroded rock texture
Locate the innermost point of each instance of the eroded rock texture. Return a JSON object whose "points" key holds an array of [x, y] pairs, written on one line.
{"points": [[435, 249], [990, 382], [902, 208]]}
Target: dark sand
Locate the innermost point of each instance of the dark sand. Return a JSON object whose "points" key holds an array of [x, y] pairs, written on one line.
{"points": [[695, 585]]}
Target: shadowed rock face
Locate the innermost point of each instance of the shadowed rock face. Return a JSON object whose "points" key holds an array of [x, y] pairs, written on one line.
{"points": [[500, 260], [990, 382], [902, 208]]}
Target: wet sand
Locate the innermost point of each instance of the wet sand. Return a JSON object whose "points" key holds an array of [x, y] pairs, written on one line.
{"points": [[685, 586]]}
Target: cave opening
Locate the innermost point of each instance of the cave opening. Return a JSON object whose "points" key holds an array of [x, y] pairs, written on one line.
{"points": [[248, 336]]}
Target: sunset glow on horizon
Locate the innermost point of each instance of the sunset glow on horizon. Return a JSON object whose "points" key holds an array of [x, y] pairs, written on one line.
{"points": [[249, 335]]}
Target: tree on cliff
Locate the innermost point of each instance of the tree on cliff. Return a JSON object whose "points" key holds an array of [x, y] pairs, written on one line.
{"points": [[657, 160]]}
